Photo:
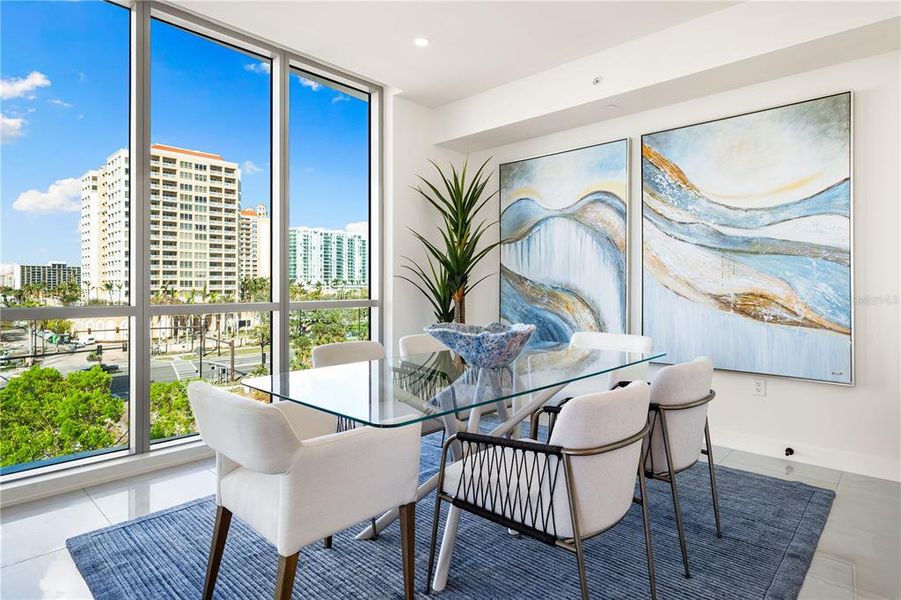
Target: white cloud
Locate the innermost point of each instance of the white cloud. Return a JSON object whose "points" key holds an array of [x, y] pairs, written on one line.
{"points": [[16, 87], [63, 195], [309, 83], [10, 127], [82, 77], [339, 97], [61, 103], [360, 227], [259, 67], [250, 168]]}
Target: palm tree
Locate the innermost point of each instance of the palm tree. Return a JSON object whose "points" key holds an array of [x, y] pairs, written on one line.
{"points": [[108, 287]]}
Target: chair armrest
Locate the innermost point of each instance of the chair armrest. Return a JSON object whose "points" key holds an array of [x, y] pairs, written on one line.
{"points": [[490, 440], [511, 482], [552, 410], [343, 478]]}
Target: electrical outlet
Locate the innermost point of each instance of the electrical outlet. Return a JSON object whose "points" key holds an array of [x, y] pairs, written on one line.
{"points": [[760, 387]]}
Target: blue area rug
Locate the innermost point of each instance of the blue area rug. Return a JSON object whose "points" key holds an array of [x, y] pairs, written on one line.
{"points": [[770, 527]]}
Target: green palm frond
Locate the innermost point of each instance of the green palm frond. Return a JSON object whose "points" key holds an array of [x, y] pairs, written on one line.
{"points": [[459, 199]]}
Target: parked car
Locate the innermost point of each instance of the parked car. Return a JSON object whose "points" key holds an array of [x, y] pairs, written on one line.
{"points": [[85, 341], [104, 367]]}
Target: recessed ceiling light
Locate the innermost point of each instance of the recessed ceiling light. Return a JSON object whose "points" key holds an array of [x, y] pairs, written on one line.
{"points": [[610, 106], [421, 42]]}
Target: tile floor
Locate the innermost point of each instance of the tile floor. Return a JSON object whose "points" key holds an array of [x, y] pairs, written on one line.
{"points": [[858, 556]]}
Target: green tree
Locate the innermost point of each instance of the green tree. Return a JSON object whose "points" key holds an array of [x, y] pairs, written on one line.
{"points": [[58, 325], [170, 411], [45, 415]]}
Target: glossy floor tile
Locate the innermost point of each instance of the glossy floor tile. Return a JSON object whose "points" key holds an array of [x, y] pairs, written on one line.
{"points": [[138, 496], [783, 469], [857, 558], [52, 575], [39, 527]]}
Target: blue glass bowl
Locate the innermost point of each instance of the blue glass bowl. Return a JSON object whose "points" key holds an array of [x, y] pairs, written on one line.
{"points": [[490, 346]]}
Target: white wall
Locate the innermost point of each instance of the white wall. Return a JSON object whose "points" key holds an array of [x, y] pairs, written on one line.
{"points": [[850, 428], [408, 148]]}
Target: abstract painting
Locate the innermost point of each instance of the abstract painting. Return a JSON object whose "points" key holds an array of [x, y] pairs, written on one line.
{"points": [[746, 241], [563, 232]]}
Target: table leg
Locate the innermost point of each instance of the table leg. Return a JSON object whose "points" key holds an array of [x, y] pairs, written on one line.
{"points": [[520, 414], [448, 540]]}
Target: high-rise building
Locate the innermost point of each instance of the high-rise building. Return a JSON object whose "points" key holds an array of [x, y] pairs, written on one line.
{"points": [[326, 256], [50, 275], [104, 229], [194, 202], [254, 244]]}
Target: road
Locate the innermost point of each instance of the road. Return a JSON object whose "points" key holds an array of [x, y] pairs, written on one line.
{"points": [[170, 368]]}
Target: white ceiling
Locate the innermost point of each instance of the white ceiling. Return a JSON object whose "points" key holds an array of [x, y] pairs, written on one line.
{"points": [[474, 46]]}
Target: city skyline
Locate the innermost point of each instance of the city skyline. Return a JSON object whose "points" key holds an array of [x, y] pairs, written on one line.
{"points": [[202, 236], [62, 118]]}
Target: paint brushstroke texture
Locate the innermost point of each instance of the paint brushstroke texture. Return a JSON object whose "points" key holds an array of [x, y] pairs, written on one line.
{"points": [[563, 264], [759, 284]]}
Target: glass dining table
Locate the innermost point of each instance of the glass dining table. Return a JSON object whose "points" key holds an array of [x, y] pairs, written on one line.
{"points": [[401, 391]]}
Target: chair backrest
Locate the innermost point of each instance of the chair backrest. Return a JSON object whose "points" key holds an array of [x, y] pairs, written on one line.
{"points": [[673, 385], [419, 343], [250, 433], [604, 484], [611, 341], [342, 353], [617, 341]]}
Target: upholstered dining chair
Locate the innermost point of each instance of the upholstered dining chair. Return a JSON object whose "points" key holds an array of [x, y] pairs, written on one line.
{"points": [[596, 340], [680, 433], [578, 485], [623, 342], [342, 353], [419, 343], [275, 469]]}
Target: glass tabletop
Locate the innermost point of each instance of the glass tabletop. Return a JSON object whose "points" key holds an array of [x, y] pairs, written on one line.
{"points": [[402, 390]]}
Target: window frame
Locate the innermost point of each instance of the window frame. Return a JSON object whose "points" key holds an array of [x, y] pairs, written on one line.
{"points": [[140, 311]]}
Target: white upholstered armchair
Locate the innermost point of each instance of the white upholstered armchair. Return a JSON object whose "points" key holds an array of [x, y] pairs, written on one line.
{"points": [[578, 485], [276, 466], [419, 343]]}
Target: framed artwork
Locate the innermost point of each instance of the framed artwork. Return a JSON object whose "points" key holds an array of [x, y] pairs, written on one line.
{"points": [[563, 255], [746, 241]]}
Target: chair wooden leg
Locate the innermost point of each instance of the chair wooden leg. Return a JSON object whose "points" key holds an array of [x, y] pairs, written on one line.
{"points": [[220, 532], [672, 483], [716, 500], [284, 578], [327, 542], [408, 546]]}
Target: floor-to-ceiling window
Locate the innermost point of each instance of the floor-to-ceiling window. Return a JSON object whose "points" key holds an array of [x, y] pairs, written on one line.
{"points": [[170, 189], [64, 277], [210, 218], [329, 213]]}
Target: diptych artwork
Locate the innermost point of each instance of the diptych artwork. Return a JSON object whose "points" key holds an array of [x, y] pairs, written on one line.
{"points": [[747, 241], [563, 256]]}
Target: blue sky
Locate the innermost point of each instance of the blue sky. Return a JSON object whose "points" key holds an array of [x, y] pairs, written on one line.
{"points": [[64, 68]]}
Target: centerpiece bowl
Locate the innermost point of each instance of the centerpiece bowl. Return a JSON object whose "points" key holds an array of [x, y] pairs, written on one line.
{"points": [[487, 346]]}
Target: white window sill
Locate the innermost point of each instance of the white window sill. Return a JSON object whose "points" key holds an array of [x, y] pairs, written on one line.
{"points": [[66, 480]]}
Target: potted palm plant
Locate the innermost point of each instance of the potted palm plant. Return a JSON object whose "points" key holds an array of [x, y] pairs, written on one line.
{"points": [[445, 278]]}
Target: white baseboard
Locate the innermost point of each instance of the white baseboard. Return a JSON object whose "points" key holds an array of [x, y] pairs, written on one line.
{"points": [[60, 482], [852, 462]]}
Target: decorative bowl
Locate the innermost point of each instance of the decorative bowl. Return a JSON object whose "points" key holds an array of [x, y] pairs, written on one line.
{"points": [[489, 346]]}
